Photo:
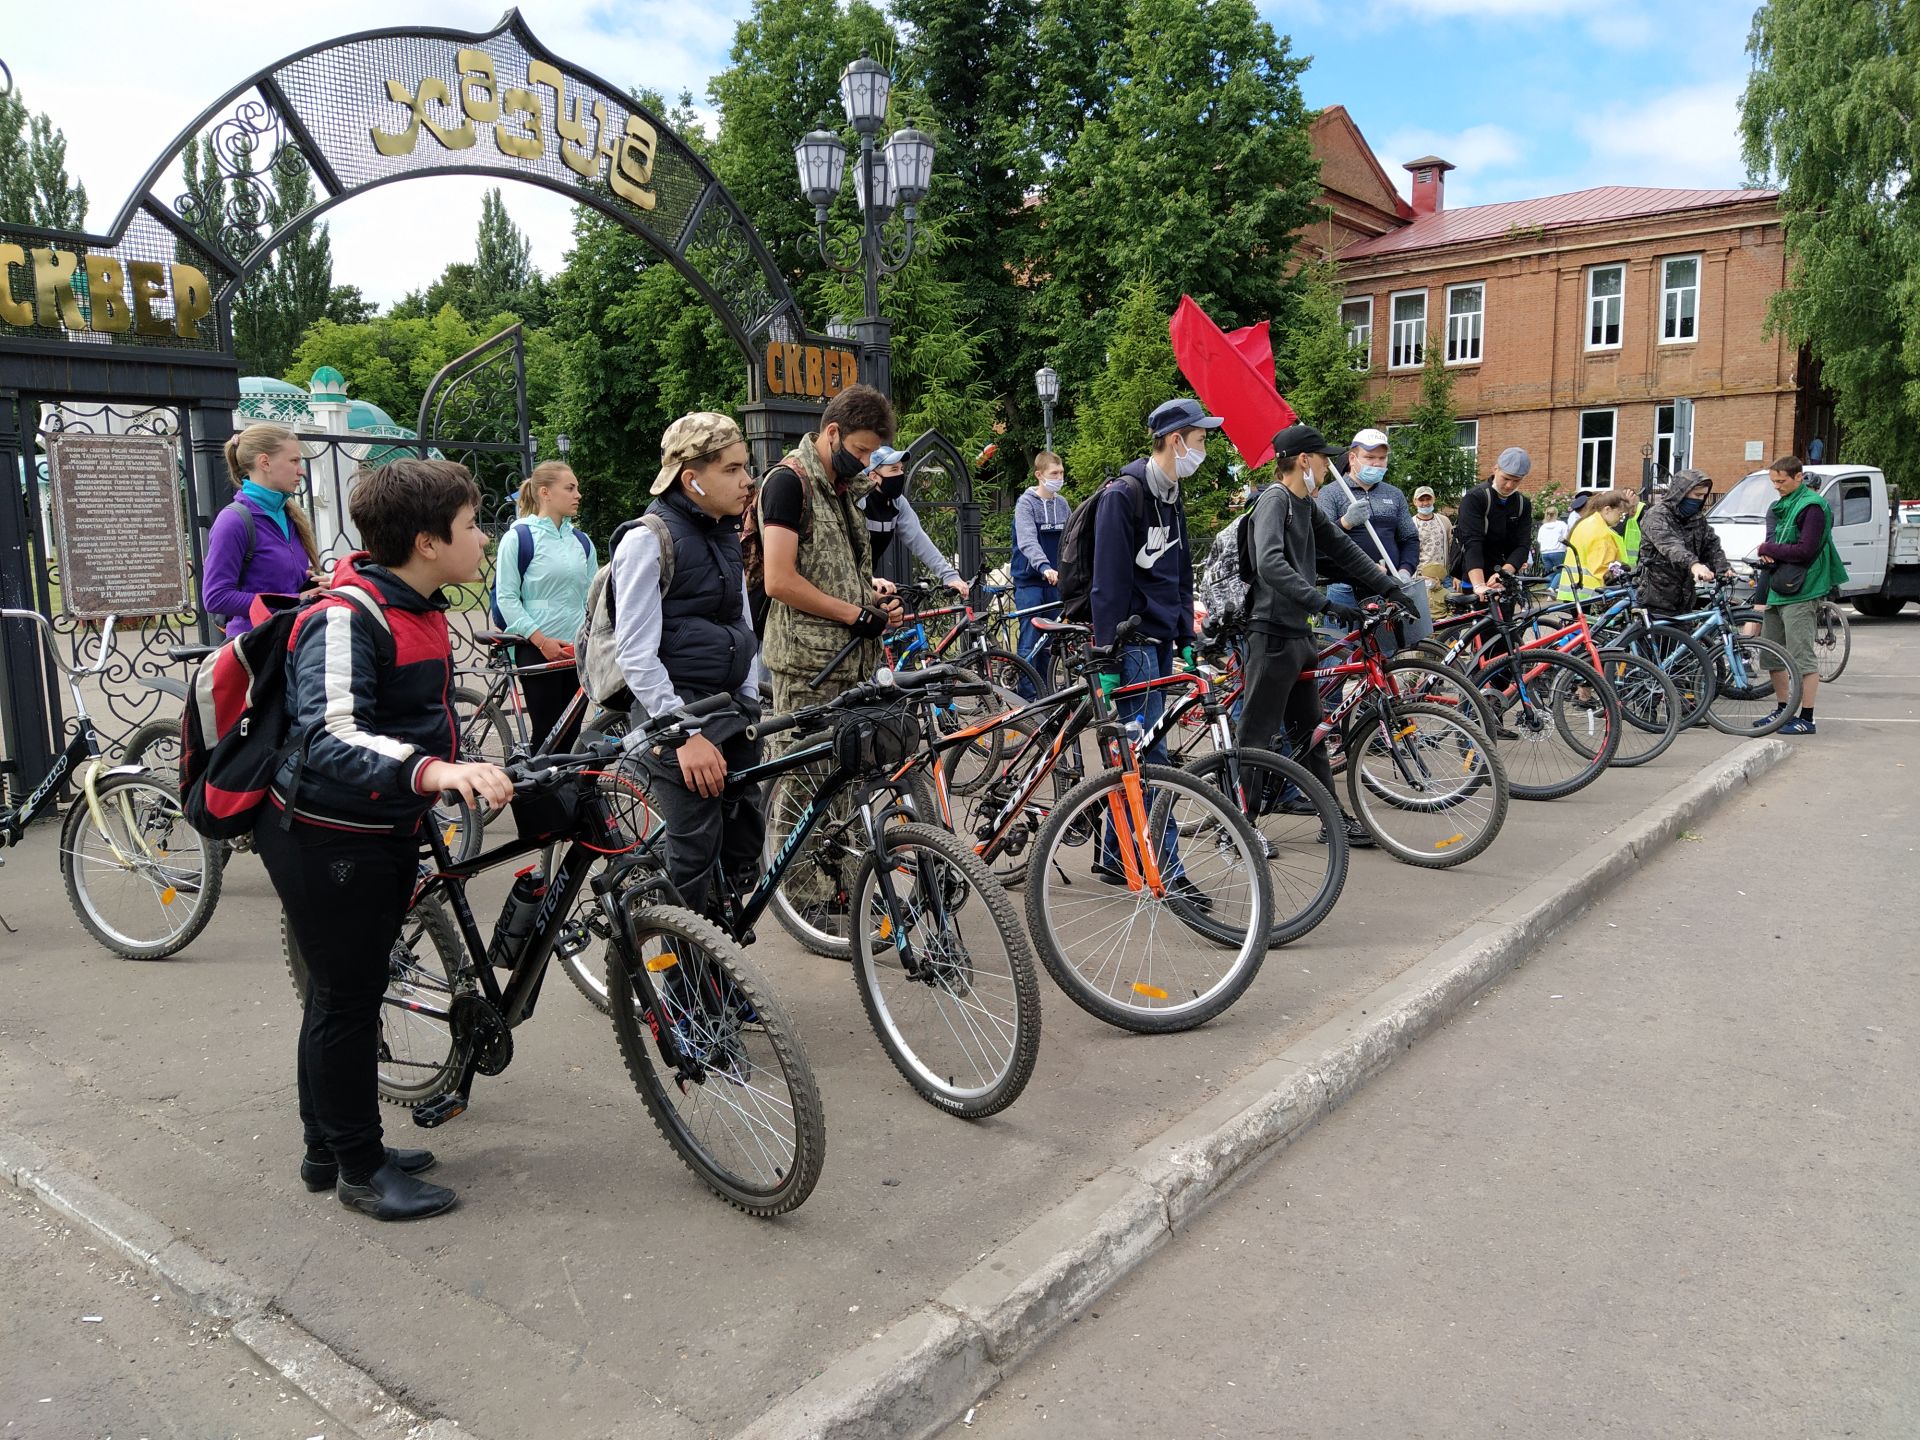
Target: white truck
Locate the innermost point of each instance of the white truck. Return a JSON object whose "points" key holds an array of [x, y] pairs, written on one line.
{"points": [[1879, 544]]}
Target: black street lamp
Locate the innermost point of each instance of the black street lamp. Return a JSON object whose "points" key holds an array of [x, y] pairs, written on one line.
{"points": [[886, 177], [1046, 383]]}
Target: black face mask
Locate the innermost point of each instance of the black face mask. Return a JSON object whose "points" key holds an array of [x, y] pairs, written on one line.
{"points": [[893, 486], [846, 465]]}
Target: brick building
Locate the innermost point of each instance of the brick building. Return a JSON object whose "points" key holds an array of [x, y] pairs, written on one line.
{"points": [[1595, 329]]}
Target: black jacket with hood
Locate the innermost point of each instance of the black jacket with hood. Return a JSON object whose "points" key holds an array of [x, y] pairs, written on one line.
{"points": [[1670, 546]]}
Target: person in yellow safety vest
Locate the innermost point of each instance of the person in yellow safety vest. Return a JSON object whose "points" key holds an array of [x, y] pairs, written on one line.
{"points": [[1596, 543]]}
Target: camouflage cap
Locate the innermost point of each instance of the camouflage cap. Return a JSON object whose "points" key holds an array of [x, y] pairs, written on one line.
{"points": [[693, 437]]}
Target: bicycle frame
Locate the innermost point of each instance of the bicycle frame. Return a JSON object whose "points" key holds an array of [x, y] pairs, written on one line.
{"points": [[505, 672]]}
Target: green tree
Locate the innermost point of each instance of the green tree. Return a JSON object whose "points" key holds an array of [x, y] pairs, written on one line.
{"points": [[1830, 111], [639, 349], [783, 80], [390, 362], [347, 306], [969, 70], [1317, 366], [1186, 157], [499, 280], [34, 186], [1426, 450], [295, 286]]}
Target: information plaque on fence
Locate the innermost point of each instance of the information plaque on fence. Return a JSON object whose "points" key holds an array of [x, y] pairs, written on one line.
{"points": [[118, 525]]}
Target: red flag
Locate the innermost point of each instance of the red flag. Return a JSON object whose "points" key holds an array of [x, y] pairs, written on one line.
{"points": [[1233, 376]]}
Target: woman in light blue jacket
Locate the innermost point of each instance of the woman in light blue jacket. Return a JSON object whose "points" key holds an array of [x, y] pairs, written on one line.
{"points": [[541, 573]]}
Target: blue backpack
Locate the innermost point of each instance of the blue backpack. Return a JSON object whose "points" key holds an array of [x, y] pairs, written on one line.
{"points": [[523, 556]]}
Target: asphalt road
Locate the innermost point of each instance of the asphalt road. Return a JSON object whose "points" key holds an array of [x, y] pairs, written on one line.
{"points": [[1661, 1182], [95, 1348]]}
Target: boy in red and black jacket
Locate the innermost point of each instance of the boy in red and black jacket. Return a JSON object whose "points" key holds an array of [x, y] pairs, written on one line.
{"points": [[369, 697]]}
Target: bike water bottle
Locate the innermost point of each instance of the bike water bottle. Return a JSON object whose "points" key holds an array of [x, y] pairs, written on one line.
{"points": [[516, 917]]}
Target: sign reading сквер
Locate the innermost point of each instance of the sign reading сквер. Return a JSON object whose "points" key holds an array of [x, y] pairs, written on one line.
{"points": [[118, 526]]}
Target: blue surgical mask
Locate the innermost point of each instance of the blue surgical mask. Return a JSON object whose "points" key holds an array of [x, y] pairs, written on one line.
{"points": [[1689, 508], [1371, 474]]}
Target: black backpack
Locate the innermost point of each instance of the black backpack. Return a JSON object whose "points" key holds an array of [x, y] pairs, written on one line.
{"points": [[1076, 549]]}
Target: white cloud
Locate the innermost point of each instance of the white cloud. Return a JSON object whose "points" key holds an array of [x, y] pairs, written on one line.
{"points": [[400, 237], [1481, 152], [1685, 137]]}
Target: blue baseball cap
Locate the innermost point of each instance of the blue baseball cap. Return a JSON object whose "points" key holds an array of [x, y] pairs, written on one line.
{"points": [[1181, 415], [886, 455]]}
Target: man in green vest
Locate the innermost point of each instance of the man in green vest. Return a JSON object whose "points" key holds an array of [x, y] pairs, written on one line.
{"points": [[819, 574], [821, 593], [1801, 557]]}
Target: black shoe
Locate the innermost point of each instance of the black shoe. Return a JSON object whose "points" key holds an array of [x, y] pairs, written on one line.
{"points": [[392, 1194], [1358, 836], [1108, 874], [1296, 805], [324, 1174]]}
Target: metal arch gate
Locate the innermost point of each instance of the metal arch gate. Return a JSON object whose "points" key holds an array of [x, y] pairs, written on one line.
{"points": [[157, 290]]}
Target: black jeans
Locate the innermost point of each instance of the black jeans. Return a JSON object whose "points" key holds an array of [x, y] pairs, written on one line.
{"points": [[1276, 697], [345, 896], [699, 831], [547, 697]]}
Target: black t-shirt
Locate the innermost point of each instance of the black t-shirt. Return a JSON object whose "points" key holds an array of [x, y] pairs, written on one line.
{"points": [[781, 500]]}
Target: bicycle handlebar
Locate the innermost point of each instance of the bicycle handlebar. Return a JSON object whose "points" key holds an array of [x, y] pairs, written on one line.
{"points": [[888, 683], [53, 651], [539, 771]]}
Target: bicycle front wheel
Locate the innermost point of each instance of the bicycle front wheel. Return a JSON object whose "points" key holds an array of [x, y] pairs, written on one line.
{"points": [[1650, 706], [1743, 698], [713, 1055], [1684, 659], [1300, 828], [140, 878], [1143, 956], [1556, 722], [945, 975], [1429, 787], [1832, 640], [421, 1055]]}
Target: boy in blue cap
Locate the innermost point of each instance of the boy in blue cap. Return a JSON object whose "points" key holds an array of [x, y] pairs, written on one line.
{"points": [[1143, 565]]}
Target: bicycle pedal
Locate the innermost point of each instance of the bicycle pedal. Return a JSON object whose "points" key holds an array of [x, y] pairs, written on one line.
{"points": [[574, 937], [437, 1111]]}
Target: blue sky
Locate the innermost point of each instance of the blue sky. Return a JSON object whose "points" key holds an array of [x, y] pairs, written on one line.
{"points": [[1527, 97], [1534, 97]]}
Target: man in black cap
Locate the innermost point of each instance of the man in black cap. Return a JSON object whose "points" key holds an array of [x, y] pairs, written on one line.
{"points": [[1292, 542]]}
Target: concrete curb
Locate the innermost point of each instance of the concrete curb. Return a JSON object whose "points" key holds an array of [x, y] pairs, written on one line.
{"points": [[334, 1383], [921, 1374]]}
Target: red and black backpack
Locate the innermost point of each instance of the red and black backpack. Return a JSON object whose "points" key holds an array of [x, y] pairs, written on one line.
{"points": [[235, 731]]}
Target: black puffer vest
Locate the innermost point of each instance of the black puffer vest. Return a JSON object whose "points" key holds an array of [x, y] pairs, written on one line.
{"points": [[706, 640]]}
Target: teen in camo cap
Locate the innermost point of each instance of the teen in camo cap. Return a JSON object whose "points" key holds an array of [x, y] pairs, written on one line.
{"points": [[693, 437]]}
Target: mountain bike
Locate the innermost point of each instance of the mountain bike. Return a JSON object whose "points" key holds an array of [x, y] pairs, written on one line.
{"points": [[1743, 700], [1147, 894], [1556, 720], [705, 1041], [1426, 781], [141, 880], [1650, 702], [940, 961]]}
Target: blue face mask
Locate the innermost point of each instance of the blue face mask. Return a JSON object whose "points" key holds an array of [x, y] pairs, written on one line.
{"points": [[1371, 474], [1689, 508]]}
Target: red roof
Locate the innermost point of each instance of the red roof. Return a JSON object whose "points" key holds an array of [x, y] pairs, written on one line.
{"points": [[1582, 207]]}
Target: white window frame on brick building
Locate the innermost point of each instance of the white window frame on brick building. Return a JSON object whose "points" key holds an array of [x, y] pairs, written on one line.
{"points": [[1466, 434], [1359, 329], [1672, 450], [1406, 335], [1466, 328], [1606, 311], [1679, 303], [1597, 450]]}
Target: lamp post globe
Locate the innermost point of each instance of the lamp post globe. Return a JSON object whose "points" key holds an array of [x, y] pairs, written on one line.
{"points": [[864, 88], [1046, 384], [821, 158], [909, 166]]}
